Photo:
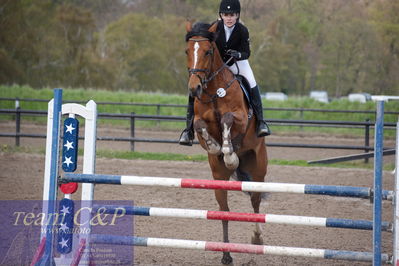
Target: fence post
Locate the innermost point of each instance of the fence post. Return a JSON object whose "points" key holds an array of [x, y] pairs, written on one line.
{"points": [[132, 133], [158, 113], [17, 122], [367, 139]]}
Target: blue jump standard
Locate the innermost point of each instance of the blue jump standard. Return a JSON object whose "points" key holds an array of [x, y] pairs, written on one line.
{"points": [[48, 256], [377, 207]]}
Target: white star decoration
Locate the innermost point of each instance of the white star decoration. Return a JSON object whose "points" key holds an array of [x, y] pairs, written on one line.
{"points": [[63, 227], [65, 209], [63, 243], [68, 161], [69, 145], [70, 128]]}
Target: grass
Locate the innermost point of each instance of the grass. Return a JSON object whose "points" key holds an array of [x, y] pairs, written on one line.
{"points": [[150, 156], [73, 95], [127, 155]]}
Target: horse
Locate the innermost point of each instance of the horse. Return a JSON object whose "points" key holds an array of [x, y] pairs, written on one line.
{"points": [[223, 121]]}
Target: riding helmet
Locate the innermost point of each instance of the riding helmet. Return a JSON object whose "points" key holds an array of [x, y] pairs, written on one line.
{"points": [[230, 6]]}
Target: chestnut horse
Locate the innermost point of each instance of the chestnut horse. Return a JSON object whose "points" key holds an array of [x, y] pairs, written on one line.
{"points": [[223, 121]]}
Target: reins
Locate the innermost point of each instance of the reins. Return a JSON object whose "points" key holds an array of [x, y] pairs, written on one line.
{"points": [[206, 80]]}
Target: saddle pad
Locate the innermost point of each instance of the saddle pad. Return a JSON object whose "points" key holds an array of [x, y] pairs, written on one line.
{"points": [[244, 90], [246, 95]]}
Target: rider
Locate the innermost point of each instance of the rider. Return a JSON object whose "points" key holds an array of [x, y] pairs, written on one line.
{"points": [[232, 41]]}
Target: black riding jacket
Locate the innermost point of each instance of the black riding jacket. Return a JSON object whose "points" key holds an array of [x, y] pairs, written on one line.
{"points": [[239, 41]]}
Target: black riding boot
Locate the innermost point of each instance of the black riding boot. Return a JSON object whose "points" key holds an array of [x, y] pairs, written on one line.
{"points": [[187, 136], [262, 129]]}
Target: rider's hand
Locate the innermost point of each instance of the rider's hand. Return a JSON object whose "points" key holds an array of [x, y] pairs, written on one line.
{"points": [[233, 53]]}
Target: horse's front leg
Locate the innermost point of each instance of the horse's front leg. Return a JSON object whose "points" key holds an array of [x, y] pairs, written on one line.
{"points": [[210, 144], [230, 157]]}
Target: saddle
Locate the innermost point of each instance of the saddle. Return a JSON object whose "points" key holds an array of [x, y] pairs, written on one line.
{"points": [[244, 84]]}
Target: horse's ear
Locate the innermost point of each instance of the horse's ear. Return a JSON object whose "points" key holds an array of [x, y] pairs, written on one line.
{"points": [[213, 27], [189, 25]]}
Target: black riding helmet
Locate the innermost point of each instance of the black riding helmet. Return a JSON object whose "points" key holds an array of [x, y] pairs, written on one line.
{"points": [[230, 6]]}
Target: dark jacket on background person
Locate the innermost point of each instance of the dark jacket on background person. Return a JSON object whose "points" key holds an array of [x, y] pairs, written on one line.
{"points": [[239, 41]]}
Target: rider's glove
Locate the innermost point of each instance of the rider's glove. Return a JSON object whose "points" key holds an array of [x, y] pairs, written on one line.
{"points": [[233, 53]]}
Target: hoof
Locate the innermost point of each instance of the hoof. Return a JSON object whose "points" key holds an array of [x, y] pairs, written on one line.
{"points": [[231, 161], [257, 239], [227, 259], [231, 166]]}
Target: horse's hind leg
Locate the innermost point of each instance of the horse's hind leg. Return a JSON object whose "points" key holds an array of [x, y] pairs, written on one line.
{"points": [[220, 172], [221, 197], [230, 157], [258, 166], [256, 198]]}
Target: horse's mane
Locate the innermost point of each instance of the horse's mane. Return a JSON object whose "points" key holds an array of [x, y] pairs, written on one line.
{"points": [[201, 29]]}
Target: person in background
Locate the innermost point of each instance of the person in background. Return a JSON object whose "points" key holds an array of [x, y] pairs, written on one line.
{"points": [[232, 41]]}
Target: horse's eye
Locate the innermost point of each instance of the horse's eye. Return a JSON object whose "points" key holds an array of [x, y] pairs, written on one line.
{"points": [[186, 51], [209, 52]]}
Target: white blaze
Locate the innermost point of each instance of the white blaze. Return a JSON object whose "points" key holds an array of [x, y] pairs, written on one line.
{"points": [[196, 47]]}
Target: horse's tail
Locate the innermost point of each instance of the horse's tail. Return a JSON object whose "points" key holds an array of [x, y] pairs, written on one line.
{"points": [[241, 175]]}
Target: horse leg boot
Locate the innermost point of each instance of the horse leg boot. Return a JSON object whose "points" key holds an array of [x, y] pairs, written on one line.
{"points": [[262, 129], [211, 145], [256, 198], [230, 157], [187, 136]]}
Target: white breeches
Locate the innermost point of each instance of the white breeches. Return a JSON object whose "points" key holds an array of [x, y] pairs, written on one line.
{"points": [[245, 70]]}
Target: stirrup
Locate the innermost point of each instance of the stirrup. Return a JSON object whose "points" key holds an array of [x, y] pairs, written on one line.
{"points": [[262, 129], [186, 138]]}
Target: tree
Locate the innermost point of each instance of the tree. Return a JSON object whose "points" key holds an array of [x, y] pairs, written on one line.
{"points": [[20, 37], [340, 46], [149, 52], [384, 16]]}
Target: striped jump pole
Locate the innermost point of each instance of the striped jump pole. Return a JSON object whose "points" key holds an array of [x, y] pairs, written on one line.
{"points": [[239, 217], [340, 191], [237, 248]]}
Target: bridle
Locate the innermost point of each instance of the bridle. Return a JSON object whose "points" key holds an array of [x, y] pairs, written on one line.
{"points": [[194, 71], [208, 75]]}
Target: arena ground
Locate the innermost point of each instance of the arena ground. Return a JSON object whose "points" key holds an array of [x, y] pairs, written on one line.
{"points": [[21, 176]]}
